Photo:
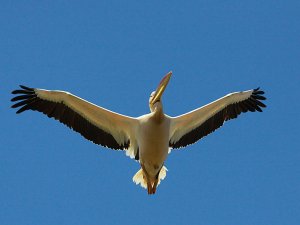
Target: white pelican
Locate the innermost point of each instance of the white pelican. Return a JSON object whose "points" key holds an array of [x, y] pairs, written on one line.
{"points": [[147, 138]]}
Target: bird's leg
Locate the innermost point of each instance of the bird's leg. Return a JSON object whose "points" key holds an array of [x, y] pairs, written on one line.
{"points": [[155, 182], [154, 186], [149, 186]]}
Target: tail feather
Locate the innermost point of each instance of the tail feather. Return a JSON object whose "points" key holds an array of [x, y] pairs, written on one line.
{"points": [[138, 178]]}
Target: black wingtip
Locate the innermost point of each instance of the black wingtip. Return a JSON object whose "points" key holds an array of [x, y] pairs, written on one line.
{"points": [[26, 88], [24, 97], [258, 96], [22, 92], [21, 97], [259, 92]]}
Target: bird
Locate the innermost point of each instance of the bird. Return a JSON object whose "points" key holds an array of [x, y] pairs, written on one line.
{"points": [[147, 139]]}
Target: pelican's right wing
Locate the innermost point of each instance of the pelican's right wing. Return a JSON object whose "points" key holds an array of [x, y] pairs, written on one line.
{"points": [[192, 126], [95, 123]]}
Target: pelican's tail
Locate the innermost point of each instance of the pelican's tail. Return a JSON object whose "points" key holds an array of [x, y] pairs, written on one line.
{"points": [[139, 178]]}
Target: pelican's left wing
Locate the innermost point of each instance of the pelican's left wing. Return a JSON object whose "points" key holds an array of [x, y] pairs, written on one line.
{"points": [[190, 127], [95, 123]]}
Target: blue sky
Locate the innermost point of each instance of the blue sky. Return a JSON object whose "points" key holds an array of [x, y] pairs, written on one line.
{"points": [[114, 53]]}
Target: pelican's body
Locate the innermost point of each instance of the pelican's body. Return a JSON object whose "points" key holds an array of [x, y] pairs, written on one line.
{"points": [[153, 143], [147, 138]]}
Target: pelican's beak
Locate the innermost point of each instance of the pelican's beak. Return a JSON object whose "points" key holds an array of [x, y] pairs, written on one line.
{"points": [[161, 88]]}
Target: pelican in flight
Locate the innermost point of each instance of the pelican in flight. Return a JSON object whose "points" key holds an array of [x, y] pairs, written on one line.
{"points": [[148, 138]]}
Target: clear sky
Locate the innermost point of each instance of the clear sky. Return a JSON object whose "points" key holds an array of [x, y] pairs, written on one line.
{"points": [[114, 53]]}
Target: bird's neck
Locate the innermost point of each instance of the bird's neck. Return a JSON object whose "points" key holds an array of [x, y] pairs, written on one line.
{"points": [[158, 113]]}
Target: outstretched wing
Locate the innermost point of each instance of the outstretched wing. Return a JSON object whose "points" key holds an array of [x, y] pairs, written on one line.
{"points": [[190, 127], [95, 123]]}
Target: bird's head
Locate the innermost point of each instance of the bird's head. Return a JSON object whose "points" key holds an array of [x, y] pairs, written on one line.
{"points": [[155, 97]]}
